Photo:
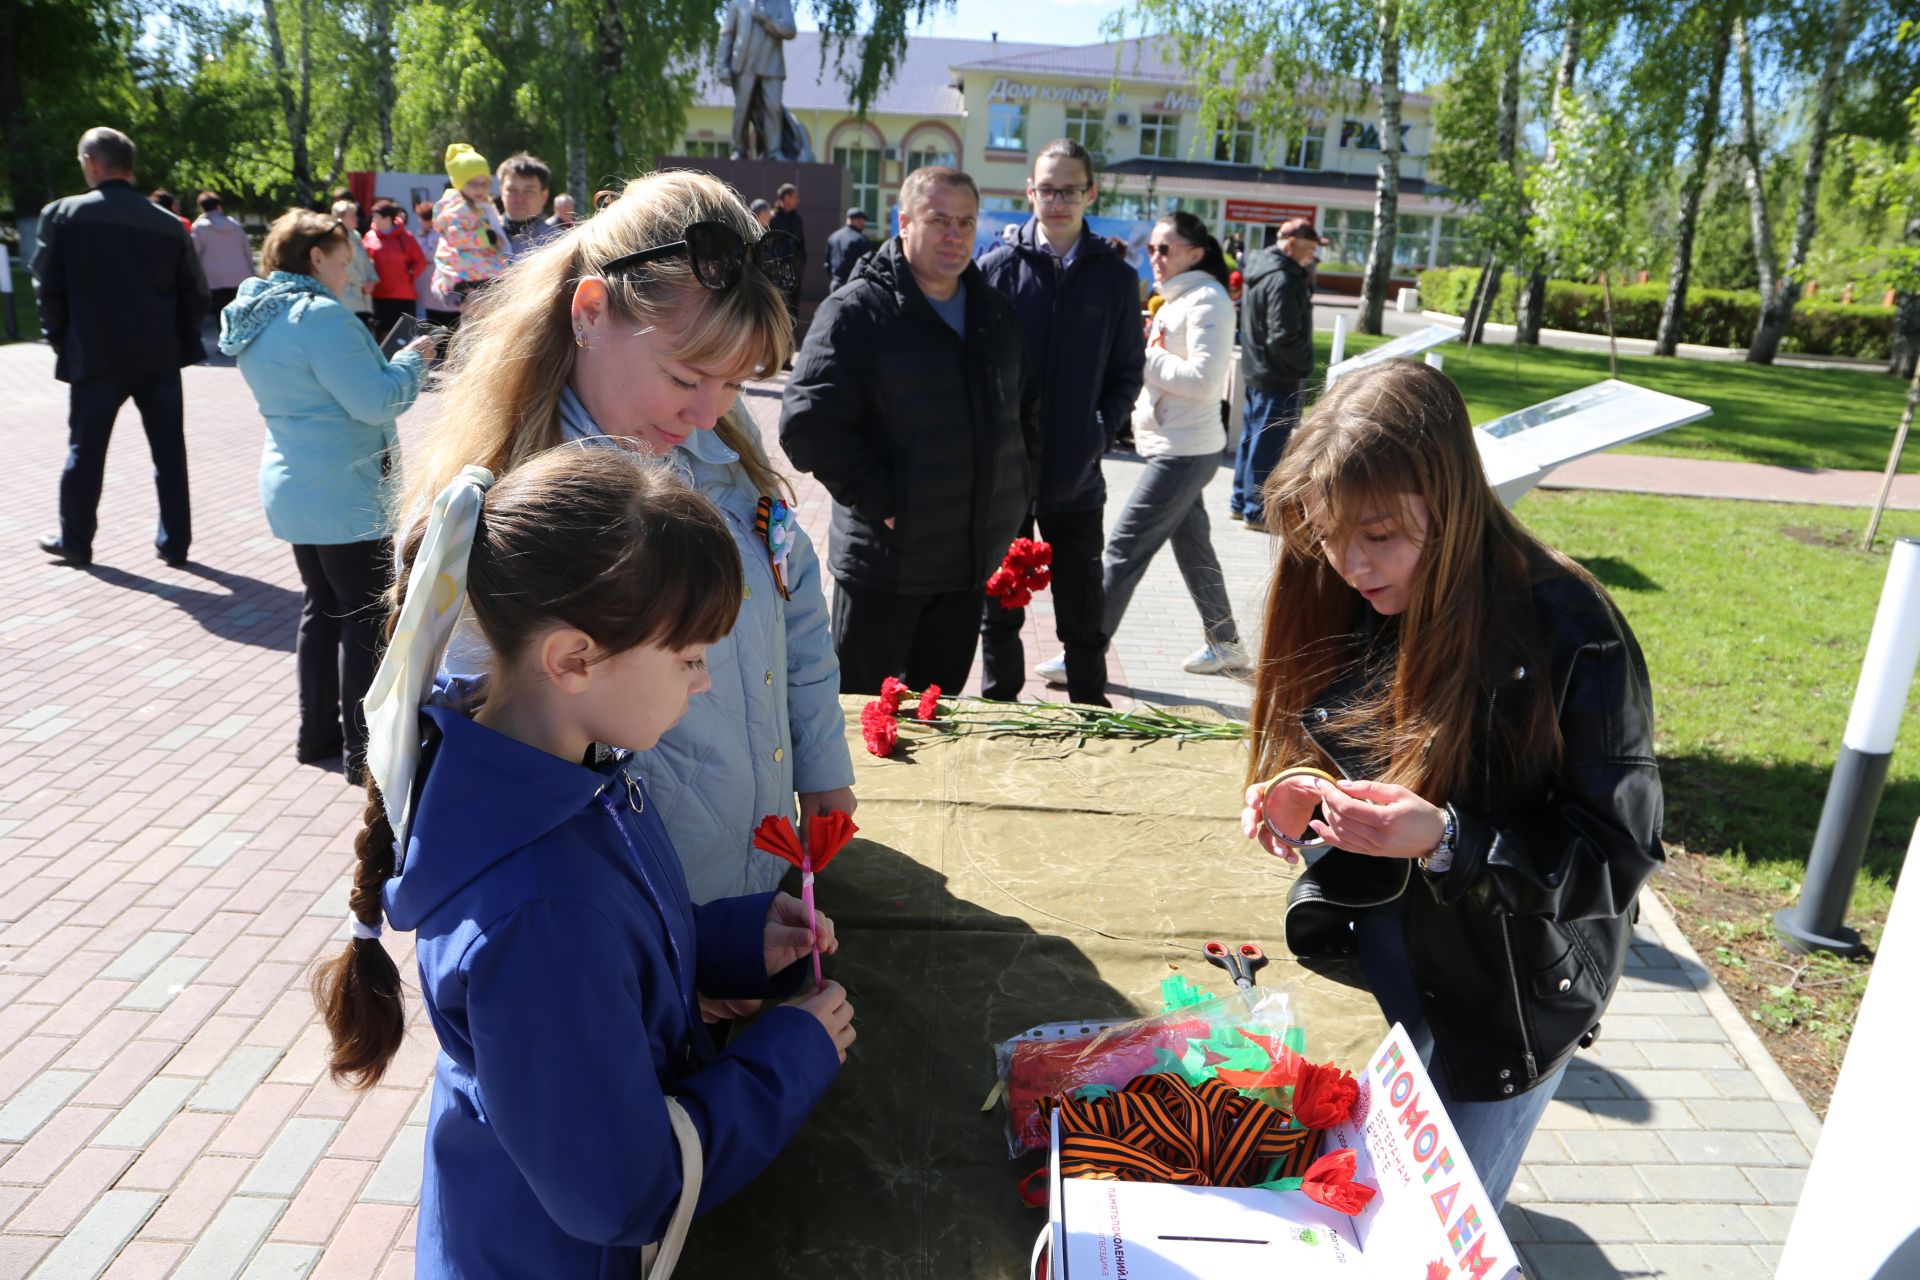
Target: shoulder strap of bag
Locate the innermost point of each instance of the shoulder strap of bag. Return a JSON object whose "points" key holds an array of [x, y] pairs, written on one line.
{"points": [[658, 1260]]}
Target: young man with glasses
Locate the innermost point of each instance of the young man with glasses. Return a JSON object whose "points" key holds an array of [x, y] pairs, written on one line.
{"points": [[909, 402], [1079, 308]]}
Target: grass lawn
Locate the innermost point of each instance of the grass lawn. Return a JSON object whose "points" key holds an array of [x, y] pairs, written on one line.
{"points": [[1837, 418], [1754, 618], [27, 315]]}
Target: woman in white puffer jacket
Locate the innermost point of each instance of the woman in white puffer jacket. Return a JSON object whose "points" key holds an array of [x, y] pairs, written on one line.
{"points": [[1178, 428]]}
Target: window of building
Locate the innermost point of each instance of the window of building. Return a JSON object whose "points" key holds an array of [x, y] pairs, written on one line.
{"points": [[1412, 241], [1003, 204], [1132, 208], [1307, 151], [1159, 135], [1208, 211], [1234, 143], [863, 166], [929, 156], [1088, 127], [1455, 247], [1007, 127], [1350, 236], [707, 148]]}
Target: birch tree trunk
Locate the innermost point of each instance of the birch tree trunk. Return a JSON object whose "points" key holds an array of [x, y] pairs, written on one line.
{"points": [[1777, 307], [383, 78], [613, 52], [292, 106], [1386, 196], [1673, 315], [1751, 172], [1533, 298]]}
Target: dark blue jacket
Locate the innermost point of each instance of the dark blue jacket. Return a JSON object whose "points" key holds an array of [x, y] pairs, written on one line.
{"points": [[1084, 341], [559, 955]]}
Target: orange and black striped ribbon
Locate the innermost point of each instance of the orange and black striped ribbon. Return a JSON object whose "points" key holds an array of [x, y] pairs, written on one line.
{"points": [[1162, 1129]]}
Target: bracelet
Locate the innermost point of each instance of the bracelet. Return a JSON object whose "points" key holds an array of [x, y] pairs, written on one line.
{"points": [[1288, 838]]}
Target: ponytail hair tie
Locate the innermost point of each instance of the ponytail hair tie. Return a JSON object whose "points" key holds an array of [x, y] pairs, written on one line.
{"points": [[436, 588]]}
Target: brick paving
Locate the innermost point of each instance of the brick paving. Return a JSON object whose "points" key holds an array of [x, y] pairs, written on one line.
{"points": [[168, 873]]}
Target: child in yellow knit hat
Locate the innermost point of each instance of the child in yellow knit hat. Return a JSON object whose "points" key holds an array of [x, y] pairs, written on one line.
{"points": [[473, 244]]}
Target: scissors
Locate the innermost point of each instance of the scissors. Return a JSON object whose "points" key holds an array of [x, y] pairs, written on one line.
{"points": [[1240, 965]]}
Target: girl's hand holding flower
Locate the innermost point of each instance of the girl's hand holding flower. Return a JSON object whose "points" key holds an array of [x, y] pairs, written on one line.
{"points": [[787, 937]]}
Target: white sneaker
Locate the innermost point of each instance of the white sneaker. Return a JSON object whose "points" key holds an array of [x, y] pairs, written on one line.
{"points": [[1218, 660], [1053, 670]]}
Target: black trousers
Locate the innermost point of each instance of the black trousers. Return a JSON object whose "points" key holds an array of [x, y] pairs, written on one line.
{"points": [[386, 311], [1077, 540], [92, 405], [218, 300], [923, 639], [338, 645]]}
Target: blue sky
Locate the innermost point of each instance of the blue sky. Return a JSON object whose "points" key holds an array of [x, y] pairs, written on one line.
{"points": [[1044, 22]]}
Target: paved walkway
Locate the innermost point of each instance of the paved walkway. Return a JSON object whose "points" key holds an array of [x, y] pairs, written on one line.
{"points": [[167, 874]]}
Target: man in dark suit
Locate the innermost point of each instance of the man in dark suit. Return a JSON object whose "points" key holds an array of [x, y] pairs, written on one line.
{"points": [[121, 299], [846, 247], [786, 217]]}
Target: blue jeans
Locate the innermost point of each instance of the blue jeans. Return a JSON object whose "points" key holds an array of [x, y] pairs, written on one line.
{"points": [[1271, 418], [1494, 1134]]}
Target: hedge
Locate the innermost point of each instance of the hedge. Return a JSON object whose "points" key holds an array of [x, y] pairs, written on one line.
{"points": [[1715, 317]]}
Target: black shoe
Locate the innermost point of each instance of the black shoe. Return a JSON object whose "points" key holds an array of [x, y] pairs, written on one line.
{"points": [[173, 561], [316, 752], [53, 546]]}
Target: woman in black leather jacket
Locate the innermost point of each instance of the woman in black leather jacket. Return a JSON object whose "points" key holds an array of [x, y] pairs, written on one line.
{"points": [[1486, 713]]}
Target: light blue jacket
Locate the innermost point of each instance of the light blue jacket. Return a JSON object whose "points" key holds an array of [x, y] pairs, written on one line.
{"points": [[771, 725], [330, 400]]}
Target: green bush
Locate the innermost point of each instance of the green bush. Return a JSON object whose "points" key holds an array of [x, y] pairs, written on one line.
{"points": [[1715, 317]]}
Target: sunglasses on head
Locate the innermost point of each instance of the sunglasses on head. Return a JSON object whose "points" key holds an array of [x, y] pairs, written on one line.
{"points": [[720, 254]]}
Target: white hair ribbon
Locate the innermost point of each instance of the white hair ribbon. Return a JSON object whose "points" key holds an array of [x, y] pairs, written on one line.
{"points": [[436, 588], [368, 932]]}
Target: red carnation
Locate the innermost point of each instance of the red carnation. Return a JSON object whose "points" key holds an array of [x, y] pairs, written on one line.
{"points": [[1324, 1095], [891, 692], [929, 703], [1024, 570], [1329, 1180], [879, 729]]}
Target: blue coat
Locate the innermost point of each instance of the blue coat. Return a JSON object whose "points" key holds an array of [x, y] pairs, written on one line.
{"points": [[771, 725], [559, 957], [1083, 340], [330, 400]]}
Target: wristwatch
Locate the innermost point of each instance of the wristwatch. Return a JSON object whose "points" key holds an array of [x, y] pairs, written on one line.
{"points": [[1442, 855]]}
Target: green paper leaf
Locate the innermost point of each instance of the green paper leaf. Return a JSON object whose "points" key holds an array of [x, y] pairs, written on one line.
{"points": [[1280, 1184], [1094, 1092]]}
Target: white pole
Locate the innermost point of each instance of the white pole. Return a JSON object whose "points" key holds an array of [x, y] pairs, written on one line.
{"points": [[1339, 351], [6, 270], [8, 321], [1434, 361], [1814, 923]]}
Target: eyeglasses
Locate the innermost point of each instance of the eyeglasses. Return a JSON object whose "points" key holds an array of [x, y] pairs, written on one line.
{"points": [[720, 255], [1164, 250], [1060, 195]]}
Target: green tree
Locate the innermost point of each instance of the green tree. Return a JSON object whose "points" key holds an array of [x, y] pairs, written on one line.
{"points": [[1578, 196]]}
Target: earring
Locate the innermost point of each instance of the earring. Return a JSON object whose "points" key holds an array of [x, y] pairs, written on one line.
{"points": [[580, 339]]}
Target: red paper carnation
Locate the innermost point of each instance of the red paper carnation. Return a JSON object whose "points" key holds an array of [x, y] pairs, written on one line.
{"points": [[1329, 1180], [1025, 570], [929, 703], [1324, 1095]]}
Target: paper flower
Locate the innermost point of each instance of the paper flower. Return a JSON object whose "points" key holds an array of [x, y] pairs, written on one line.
{"points": [[929, 703], [827, 834], [1324, 1095], [1329, 1180], [892, 693]]}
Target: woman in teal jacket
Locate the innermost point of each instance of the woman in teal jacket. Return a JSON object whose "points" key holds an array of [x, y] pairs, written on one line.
{"points": [[330, 399]]}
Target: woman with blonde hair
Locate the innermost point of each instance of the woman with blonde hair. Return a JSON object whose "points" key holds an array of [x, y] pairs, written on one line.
{"points": [[1463, 716], [640, 327]]}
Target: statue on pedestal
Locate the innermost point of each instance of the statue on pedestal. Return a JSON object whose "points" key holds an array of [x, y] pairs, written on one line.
{"points": [[753, 60]]}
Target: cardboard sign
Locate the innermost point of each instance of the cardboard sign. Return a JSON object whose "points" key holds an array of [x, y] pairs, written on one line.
{"points": [[1518, 450], [1431, 1218]]}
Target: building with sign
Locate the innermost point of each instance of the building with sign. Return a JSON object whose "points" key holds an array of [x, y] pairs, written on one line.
{"points": [[986, 105]]}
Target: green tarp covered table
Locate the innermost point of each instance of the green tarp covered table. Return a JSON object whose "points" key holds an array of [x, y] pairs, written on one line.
{"points": [[1000, 883]]}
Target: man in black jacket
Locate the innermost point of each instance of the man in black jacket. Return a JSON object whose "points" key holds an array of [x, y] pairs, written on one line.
{"points": [[786, 217], [1276, 359], [846, 247], [1079, 309], [908, 401], [121, 298]]}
